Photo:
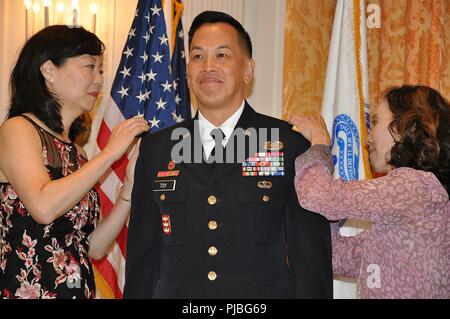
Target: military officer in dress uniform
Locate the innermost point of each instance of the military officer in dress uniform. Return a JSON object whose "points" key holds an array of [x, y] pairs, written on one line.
{"points": [[221, 228]]}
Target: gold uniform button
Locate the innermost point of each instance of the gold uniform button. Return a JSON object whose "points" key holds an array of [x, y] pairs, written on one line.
{"points": [[162, 197], [212, 251], [265, 198], [212, 225], [212, 200], [212, 276]]}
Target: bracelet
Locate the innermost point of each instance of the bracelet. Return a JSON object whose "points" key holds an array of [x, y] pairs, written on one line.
{"points": [[119, 193]]}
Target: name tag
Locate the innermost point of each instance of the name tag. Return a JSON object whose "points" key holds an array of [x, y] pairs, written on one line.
{"points": [[164, 186]]}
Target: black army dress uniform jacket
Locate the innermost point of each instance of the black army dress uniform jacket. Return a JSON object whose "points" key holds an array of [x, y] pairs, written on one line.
{"points": [[207, 231]]}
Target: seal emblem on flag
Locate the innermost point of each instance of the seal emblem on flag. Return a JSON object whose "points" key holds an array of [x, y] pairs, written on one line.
{"points": [[346, 140]]}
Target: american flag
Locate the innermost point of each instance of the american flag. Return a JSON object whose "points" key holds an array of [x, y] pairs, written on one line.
{"points": [[150, 82]]}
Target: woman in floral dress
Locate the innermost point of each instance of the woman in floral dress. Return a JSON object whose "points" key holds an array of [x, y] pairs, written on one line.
{"points": [[405, 253], [49, 209]]}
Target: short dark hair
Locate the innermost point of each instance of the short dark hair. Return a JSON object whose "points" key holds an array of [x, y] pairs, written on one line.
{"points": [[209, 17], [29, 93], [422, 126]]}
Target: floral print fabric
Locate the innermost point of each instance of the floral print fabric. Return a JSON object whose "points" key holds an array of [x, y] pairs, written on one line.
{"points": [[48, 261], [405, 252]]}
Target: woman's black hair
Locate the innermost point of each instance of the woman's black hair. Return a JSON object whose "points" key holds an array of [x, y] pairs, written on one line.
{"points": [[29, 92]]}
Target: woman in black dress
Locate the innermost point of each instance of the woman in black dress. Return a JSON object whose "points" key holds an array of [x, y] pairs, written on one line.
{"points": [[49, 208]]}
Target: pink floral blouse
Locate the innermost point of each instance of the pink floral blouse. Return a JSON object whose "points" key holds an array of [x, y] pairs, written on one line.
{"points": [[47, 261], [405, 252]]}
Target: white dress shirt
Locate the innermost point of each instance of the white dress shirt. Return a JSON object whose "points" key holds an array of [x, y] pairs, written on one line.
{"points": [[227, 128]]}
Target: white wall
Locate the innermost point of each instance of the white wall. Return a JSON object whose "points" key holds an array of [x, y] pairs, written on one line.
{"points": [[264, 19], [12, 36]]}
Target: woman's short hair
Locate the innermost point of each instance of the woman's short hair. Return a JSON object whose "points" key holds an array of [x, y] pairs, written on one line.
{"points": [[421, 128], [29, 92]]}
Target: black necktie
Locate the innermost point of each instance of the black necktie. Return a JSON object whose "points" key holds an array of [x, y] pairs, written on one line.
{"points": [[218, 137]]}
